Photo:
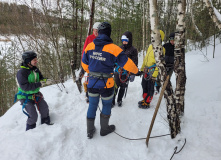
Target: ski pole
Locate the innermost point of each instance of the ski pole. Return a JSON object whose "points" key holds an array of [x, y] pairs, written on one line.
{"points": [[157, 107]]}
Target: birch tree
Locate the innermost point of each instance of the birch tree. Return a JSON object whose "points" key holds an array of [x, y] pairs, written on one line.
{"points": [[179, 52], [212, 13], [172, 115]]}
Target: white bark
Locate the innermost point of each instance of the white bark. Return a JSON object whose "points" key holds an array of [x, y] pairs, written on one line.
{"points": [[214, 15], [179, 52], [193, 21], [156, 40], [143, 27]]}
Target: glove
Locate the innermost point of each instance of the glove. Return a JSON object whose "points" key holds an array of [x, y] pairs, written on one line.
{"points": [[139, 73], [46, 82], [132, 77], [169, 66]]}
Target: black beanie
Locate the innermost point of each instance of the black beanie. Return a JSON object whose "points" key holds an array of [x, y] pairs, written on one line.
{"points": [[172, 35], [106, 31]]}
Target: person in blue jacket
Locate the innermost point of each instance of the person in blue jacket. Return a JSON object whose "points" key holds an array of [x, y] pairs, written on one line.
{"points": [[98, 60]]}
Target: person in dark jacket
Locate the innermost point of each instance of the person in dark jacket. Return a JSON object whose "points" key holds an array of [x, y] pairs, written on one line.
{"points": [[30, 79], [121, 76], [169, 58], [98, 61], [169, 54]]}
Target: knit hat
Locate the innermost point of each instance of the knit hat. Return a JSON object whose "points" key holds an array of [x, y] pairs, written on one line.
{"points": [[172, 35], [124, 38], [96, 24]]}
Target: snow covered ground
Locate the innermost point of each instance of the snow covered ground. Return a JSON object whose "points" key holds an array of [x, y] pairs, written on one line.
{"points": [[67, 139]]}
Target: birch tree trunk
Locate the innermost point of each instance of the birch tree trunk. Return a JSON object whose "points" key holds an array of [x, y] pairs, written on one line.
{"points": [[143, 27], [179, 52], [147, 27], [212, 13], [172, 115]]}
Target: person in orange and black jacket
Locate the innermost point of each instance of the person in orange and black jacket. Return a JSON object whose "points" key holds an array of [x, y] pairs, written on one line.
{"points": [[121, 76], [98, 60]]}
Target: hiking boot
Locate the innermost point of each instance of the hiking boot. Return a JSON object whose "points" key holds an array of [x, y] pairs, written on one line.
{"points": [[46, 120], [119, 103], [32, 126], [144, 105], [105, 127], [91, 134], [140, 102], [90, 127]]}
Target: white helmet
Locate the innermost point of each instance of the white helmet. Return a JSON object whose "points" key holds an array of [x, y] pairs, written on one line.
{"points": [[96, 24]]}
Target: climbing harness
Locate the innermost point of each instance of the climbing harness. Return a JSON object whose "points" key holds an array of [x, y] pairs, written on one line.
{"points": [[122, 72], [35, 97], [148, 72], [100, 76]]}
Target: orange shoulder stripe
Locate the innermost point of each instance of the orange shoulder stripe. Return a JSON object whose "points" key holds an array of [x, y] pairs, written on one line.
{"points": [[90, 46], [112, 49], [130, 66], [85, 67]]}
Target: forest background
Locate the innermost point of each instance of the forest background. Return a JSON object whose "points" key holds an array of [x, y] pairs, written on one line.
{"points": [[57, 29]]}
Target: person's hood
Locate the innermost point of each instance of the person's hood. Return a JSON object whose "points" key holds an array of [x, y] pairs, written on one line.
{"points": [[102, 39], [129, 36]]}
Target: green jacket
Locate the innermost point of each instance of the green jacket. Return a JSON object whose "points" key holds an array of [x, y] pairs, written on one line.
{"points": [[28, 81]]}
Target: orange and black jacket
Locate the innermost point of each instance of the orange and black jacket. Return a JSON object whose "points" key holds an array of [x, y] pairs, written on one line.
{"points": [[100, 56]]}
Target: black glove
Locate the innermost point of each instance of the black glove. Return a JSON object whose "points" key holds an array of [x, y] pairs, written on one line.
{"points": [[139, 73], [169, 66]]}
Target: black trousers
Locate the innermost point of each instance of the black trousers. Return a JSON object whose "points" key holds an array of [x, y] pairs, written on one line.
{"points": [[120, 86], [148, 90]]}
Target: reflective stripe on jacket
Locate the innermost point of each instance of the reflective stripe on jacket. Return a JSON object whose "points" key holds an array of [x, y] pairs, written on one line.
{"points": [[100, 56]]}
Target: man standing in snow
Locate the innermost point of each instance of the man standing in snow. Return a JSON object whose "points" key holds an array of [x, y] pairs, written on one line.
{"points": [[29, 80], [88, 40], [169, 58], [169, 54], [98, 60]]}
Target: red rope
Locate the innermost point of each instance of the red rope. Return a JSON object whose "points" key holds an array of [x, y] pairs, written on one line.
{"points": [[120, 70], [39, 100]]}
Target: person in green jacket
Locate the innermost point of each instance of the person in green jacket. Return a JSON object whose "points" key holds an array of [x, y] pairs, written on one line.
{"points": [[150, 72], [29, 80]]}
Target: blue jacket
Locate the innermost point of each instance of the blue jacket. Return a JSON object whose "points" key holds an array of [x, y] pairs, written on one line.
{"points": [[100, 56]]}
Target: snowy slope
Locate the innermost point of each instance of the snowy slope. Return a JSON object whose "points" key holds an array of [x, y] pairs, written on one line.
{"points": [[67, 139]]}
